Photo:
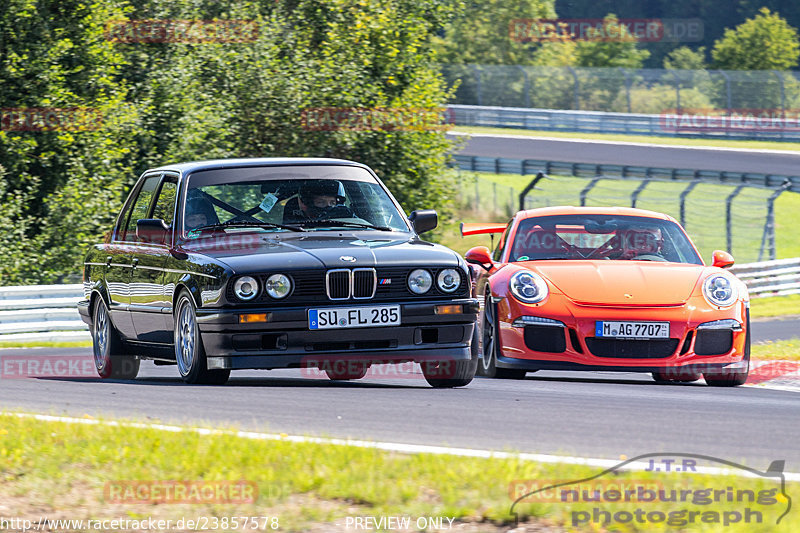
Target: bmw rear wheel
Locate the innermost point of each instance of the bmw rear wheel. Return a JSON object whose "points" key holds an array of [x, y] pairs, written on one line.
{"points": [[189, 353]]}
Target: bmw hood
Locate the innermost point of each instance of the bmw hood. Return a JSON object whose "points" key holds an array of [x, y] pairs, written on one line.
{"points": [[245, 253], [621, 282]]}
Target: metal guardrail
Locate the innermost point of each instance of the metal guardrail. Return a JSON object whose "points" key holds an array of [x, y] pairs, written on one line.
{"points": [[606, 122], [39, 313], [770, 278], [46, 313]]}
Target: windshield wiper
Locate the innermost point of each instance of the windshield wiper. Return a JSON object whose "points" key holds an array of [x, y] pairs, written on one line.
{"points": [[248, 224], [346, 224]]}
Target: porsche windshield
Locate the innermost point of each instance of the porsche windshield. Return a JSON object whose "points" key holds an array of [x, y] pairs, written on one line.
{"points": [[621, 238], [288, 198]]}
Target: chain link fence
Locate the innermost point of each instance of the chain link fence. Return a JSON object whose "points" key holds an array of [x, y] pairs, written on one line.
{"points": [[623, 90]]}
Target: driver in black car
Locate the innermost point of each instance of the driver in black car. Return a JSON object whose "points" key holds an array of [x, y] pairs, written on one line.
{"points": [[320, 200]]}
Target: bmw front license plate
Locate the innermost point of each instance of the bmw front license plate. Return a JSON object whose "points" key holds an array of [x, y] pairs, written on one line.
{"points": [[632, 330], [354, 317]]}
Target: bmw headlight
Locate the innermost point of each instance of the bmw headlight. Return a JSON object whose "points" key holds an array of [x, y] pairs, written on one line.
{"points": [[246, 288], [278, 286], [420, 281], [448, 280], [528, 287], [720, 290]]}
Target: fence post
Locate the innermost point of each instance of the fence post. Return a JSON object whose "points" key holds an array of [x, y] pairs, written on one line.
{"points": [[729, 217], [589, 187], [677, 91], [528, 188], [576, 88], [477, 194], [768, 237], [494, 197], [627, 87], [728, 105], [635, 194], [527, 87], [783, 92], [684, 193], [478, 88]]}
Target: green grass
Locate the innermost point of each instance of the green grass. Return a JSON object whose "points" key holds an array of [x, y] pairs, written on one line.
{"points": [[58, 469], [45, 344], [611, 137], [780, 350], [775, 306]]}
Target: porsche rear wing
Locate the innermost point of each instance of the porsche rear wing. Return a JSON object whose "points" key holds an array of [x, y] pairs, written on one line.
{"points": [[480, 228]]}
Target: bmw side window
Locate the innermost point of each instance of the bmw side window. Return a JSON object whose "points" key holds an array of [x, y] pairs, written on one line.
{"points": [[165, 203], [141, 206]]}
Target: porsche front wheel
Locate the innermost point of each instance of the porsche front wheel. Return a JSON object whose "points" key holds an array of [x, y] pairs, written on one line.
{"points": [[490, 348]]}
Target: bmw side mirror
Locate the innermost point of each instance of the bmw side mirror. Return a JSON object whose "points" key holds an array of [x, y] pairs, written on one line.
{"points": [[152, 230], [721, 259], [423, 220]]}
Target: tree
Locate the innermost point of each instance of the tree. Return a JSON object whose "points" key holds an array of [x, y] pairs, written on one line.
{"points": [[765, 42], [613, 45], [684, 58]]}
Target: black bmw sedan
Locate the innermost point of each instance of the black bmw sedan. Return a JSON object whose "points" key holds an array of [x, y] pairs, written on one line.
{"points": [[275, 263]]}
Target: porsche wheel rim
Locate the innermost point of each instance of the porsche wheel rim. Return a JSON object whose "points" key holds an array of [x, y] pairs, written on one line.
{"points": [[488, 339], [186, 338]]}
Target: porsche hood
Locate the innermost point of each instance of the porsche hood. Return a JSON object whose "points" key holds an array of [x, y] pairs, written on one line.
{"points": [[628, 283]]}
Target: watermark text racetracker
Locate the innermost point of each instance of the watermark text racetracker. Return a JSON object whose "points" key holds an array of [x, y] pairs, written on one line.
{"points": [[606, 30], [44, 119], [181, 31], [194, 523], [729, 121]]}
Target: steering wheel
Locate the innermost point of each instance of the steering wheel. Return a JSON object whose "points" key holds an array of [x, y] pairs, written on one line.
{"points": [[648, 257]]}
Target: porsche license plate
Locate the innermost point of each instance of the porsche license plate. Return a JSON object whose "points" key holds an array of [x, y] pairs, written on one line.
{"points": [[632, 330], [354, 317]]}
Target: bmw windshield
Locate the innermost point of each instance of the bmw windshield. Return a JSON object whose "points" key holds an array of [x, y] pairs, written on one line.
{"points": [[288, 198]]}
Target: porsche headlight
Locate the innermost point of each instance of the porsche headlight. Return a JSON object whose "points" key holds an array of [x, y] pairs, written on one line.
{"points": [[278, 286], [420, 281], [448, 280], [528, 287], [720, 290], [246, 288]]}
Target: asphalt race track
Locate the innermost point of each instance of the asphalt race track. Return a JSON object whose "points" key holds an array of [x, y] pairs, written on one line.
{"points": [[587, 414], [615, 153]]}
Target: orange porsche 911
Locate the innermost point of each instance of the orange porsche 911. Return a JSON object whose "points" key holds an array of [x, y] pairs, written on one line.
{"points": [[617, 289]]}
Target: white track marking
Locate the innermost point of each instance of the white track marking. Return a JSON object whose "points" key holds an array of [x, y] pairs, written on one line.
{"points": [[396, 447]]}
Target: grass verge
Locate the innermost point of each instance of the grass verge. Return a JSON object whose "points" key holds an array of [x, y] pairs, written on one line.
{"points": [[612, 137], [775, 306], [45, 344], [777, 350], [62, 470]]}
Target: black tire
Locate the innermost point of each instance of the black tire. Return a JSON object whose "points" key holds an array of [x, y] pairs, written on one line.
{"points": [[732, 379], [449, 374], [106, 347], [489, 348], [350, 370], [676, 375], [189, 352]]}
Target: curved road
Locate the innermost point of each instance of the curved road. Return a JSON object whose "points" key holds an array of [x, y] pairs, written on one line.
{"points": [[637, 154], [588, 414]]}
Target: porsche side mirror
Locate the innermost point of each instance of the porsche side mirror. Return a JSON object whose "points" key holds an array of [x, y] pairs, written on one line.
{"points": [[721, 259], [152, 230], [480, 256], [423, 220]]}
